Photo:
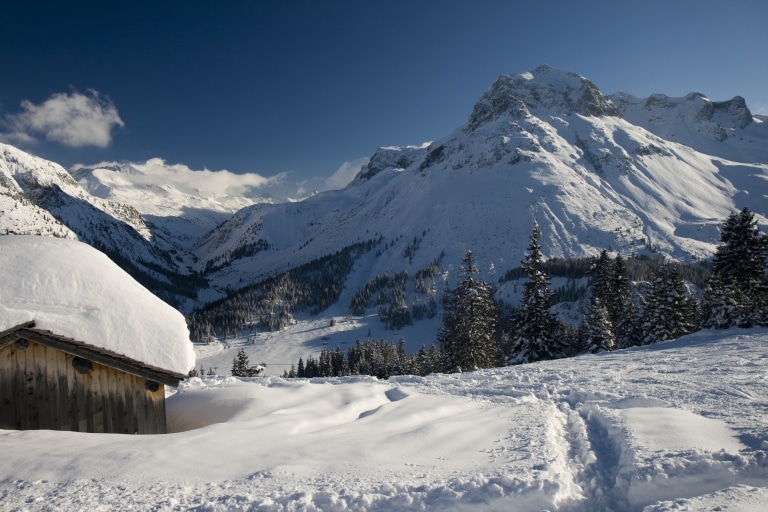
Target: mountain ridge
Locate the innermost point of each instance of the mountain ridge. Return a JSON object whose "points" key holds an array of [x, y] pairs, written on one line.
{"points": [[631, 175], [611, 160]]}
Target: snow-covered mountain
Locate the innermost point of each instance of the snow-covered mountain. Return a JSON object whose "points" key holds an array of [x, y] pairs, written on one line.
{"points": [[595, 172], [47, 185], [169, 196], [726, 128], [40, 197], [545, 146]]}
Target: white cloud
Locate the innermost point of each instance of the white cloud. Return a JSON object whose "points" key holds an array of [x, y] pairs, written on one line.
{"points": [[344, 175], [202, 183], [73, 119]]}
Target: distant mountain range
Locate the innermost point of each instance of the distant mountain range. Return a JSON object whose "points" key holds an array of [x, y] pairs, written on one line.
{"points": [[633, 175]]}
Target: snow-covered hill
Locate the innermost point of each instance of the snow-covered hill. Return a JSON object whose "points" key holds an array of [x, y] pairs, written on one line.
{"points": [[544, 146], [674, 426]]}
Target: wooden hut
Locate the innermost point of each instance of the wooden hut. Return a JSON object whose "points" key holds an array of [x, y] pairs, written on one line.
{"points": [[83, 346], [52, 382]]}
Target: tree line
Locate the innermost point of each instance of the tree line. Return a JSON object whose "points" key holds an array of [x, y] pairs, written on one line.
{"points": [[379, 358]]}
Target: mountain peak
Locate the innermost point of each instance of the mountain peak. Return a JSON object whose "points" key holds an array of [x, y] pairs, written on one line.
{"points": [[543, 88], [390, 157]]}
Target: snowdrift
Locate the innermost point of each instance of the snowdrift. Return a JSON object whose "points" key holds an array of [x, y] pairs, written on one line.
{"points": [[674, 426]]}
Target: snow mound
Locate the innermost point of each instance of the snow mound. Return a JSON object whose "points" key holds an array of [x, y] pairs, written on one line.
{"points": [[673, 429], [75, 291]]}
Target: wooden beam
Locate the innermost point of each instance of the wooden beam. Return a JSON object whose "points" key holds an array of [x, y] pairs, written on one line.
{"points": [[85, 351], [7, 377], [9, 335]]}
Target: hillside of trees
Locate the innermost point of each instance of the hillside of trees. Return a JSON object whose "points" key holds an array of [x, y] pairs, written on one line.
{"points": [[271, 303]]}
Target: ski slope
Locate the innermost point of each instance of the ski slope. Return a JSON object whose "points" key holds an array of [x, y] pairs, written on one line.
{"points": [[679, 425]]}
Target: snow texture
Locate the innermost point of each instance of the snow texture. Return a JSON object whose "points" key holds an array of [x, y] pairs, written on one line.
{"points": [[675, 426], [75, 291]]}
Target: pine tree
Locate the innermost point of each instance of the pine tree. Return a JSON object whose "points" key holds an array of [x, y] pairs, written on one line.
{"points": [[470, 322], [621, 307], [598, 328], [404, 364], [669, 311], [611, 286], [532, 336], [719, 305], [240, 365], [421, 361], [601, 272], [738, 288]]}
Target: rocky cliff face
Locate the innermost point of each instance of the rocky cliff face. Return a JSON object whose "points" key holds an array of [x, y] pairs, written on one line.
{"points": [[516, 96]]}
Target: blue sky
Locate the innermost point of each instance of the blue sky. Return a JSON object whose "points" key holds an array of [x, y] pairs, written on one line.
{"points": [[298, 89]]}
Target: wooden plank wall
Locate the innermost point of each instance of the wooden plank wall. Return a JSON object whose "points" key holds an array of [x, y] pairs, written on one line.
{"points": [[41, 389]]}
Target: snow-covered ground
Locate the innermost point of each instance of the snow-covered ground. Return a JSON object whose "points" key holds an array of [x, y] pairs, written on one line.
{"points": [[681, 425]]}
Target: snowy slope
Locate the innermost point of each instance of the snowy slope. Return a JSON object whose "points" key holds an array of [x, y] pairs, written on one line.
{"points": [[111, 226], [674, 426], [544, 146], [726, 129], [19, 216], [75, 291]]}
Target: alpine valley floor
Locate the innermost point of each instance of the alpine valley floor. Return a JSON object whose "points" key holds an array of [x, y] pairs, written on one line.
{"points": [[680, 425]]}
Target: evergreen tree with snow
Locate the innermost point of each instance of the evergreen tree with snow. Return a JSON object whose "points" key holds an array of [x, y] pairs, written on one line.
{"points": [[598, 328], [621, 307], [532, 335], [720, 307], [669, 311], [240, 365], [737, 293], [612, 288], [470, 321], [602, 274]]}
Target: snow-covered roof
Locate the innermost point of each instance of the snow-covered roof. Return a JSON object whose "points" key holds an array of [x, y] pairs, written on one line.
{"points": [[75, 291]]}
